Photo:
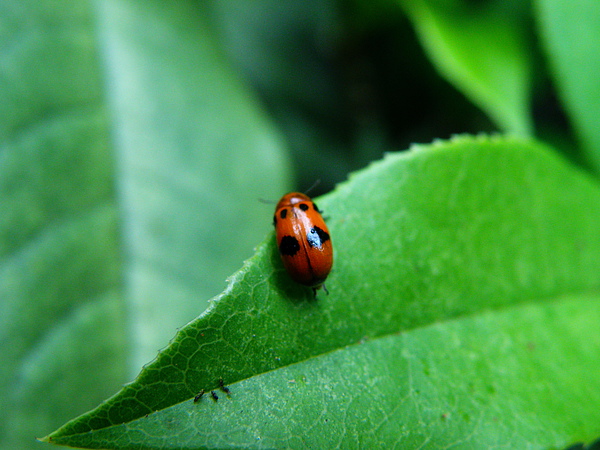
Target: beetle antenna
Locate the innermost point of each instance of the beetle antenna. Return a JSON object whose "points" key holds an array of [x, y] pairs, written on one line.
{"points": [[314, 185]]}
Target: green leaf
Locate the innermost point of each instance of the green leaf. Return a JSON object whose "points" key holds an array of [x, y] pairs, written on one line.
{"points": [[482, 53], [186, 134], [571, 37], [462, 310], [125, 146], [435, 387], [61, 308]]}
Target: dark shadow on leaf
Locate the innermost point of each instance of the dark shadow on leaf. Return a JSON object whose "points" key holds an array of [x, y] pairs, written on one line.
{"points": [[288, 288]]}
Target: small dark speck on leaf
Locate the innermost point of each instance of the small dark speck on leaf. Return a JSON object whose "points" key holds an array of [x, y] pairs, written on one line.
{"points": [[223, 387], [198, 396]]}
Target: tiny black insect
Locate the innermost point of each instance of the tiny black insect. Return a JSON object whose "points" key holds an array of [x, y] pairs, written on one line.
{"points": [[223, 387], [199, 396], [214, 395]]}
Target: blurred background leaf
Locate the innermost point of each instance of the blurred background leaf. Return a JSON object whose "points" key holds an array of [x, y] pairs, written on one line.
{"points": [[132, 163], [483, 52], [351, 79], [194, 153], [136, 137], [571, 38]]}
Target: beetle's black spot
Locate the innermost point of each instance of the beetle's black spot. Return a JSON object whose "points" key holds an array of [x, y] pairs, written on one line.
{"points": [[303, 206], [316, 237], [283, 213], [289, 246], [316, 208]]}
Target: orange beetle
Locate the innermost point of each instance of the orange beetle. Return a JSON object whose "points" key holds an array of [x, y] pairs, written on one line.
{"points": [[303, 240]]}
